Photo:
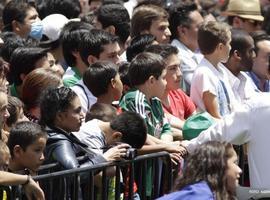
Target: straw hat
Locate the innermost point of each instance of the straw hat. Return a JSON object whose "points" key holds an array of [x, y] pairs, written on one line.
{"points": [[247, 9]]}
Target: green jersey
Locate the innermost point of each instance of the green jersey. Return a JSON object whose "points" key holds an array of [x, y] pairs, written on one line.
{"points": [[152, 112], [71, 77]]}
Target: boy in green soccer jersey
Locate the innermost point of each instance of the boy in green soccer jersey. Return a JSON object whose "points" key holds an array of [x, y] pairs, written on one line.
{"points": [[147, 77]]}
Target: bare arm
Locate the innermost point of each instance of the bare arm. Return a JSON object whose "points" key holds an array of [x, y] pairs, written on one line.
{"points": [[174, 121], [166, 137], [7, 178], [151, 140], [32, 189], [211, 104], [169, 147]]}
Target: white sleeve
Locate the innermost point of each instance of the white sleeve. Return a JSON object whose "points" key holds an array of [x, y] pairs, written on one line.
{"points": [[82, 96], [233, 128], [204, 82]]}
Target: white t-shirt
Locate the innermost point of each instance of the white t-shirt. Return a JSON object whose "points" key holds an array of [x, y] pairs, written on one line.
{"points": [[214, 80], [91, 135], [189, 62], [86, 97]]}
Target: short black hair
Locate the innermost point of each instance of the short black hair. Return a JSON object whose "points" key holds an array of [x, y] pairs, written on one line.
{"points": [[123, 73], [23, 61], [179, 16], [165, 50], [133, 128], [259, 36], [138, 44], [11, 42], [101, 111], [93, 42], [54, 100], [116, 15], [24, 134], [70, 38], [143, 66], [88, 17], [70, 8], [98, 76], [14, 10], [239, 40], [14, 104]]}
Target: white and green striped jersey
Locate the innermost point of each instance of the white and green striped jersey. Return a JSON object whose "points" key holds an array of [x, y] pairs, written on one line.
{"points": [[152, 111]]}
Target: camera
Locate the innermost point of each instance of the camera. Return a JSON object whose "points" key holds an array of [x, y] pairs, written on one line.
{"points": [[131, 154]]}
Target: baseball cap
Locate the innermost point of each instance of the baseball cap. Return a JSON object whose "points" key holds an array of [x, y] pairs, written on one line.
{"points": [[52, 26]]}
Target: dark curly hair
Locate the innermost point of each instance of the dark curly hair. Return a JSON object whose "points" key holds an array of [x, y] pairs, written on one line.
{"points": [[54, 100], [208, 163]]}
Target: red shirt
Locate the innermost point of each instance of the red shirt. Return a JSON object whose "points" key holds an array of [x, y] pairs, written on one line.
{"points": [[181, 106]]}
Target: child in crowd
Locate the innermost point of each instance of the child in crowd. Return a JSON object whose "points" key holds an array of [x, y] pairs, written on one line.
{"points": [[103, 80], [123, 73], [128, 127], [210, 88], [177, 106], [26, 143], [108, 129], [30, 187], [15, 109], [101, 111], [147, 76], [213, 177]]}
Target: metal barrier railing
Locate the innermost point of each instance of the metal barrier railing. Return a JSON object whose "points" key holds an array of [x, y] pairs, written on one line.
{"points": [[79, 183]]}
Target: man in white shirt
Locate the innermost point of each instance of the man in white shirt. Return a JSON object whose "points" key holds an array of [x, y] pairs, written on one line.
{"points": [[185, 20], [250, 125], [241, 59]]}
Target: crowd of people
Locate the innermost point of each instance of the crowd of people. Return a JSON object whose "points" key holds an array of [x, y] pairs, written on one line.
{"points": [[99, 77]]}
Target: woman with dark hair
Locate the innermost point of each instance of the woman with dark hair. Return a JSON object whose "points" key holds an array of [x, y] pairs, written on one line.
{"points": [[61, 114], [34, 84], [211, 172]]}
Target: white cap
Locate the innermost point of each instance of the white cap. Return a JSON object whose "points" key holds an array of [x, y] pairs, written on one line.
{"points": [[52, 26]]}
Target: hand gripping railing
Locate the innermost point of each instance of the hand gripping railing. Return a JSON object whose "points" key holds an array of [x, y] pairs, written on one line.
{"points": [[79, 183]]}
